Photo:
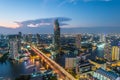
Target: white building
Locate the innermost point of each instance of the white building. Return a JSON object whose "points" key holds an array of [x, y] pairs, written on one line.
{"points": [[14, 49], [102, 38]]}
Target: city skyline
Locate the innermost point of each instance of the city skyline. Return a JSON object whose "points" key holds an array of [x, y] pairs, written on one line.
{"points": [[41, 13], [59, 40]]}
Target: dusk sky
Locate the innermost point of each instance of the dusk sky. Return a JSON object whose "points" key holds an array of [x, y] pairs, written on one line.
{"points": [[82, 13]]}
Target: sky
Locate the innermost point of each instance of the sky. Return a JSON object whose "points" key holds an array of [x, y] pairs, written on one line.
{"points": [[72, 13]]}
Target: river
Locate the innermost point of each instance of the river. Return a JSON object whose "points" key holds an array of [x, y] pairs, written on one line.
{"points": [[10, 71]]}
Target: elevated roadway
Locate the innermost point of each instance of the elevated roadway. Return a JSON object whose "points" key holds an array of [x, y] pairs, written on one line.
{"points": [[63, 74]]}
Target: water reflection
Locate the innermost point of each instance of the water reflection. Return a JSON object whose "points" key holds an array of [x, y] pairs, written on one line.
{"points": [[12, 70]]}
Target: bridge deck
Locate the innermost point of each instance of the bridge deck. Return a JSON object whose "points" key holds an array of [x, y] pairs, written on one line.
{"points": [[56, 67]]}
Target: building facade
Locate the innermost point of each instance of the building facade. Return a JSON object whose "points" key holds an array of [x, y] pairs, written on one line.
{"points": [[78, 41], [115, 53], [56, 37], [70, 63], [14, 49], [107, 52], [14, 46], [102, 38], [102, 74]]}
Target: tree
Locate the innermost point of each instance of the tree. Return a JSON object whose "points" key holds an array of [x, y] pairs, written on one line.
{"points": [[4, 57], [53, 78]]}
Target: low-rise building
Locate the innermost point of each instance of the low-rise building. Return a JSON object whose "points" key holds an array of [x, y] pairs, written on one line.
{"points": [[102, 74]]}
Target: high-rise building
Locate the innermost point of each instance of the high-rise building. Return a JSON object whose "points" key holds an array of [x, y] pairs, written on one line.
{"points": [[19, 41], [102, 38], [78, 41], [107, 52], [38, 38], [14, 46], [29, 38], [14, 49], [20, 34], [115, 53], [56, 37]]}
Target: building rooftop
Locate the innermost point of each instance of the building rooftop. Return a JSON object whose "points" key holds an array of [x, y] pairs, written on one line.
{"points": [[85, 64], [70, 55], [99, 61], [109, 74]]}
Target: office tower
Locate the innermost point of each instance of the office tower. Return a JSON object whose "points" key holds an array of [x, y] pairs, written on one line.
{"points": [[56, 37], [107, 52], [14, 49], [115, 53], [19, 41], [20, 34], [30, 38], [14, 46], [102, 38], [78, 41], [26, 38], [38, 38]]}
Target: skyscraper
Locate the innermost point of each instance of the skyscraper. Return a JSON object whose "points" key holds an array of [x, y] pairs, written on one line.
{"points": [[56, 37], [107, 52], [115, 53], [102, 38], [78, 41], [19, 41], [13, 46], [20, 35], [30, 37], [38, 38], [14, 49]]}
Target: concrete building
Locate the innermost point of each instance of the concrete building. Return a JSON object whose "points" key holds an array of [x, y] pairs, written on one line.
{"points": [[107, 52], [78, 41], [13, 49], [115, 53], [70, 63], [102, 38], [102, 74], [14, 46]]}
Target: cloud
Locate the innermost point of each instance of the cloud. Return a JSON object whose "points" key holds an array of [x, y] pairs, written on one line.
{"points": [[43, 22], [9, 24], [39, 24], [75, 1], [67, 1], [97, 0]]}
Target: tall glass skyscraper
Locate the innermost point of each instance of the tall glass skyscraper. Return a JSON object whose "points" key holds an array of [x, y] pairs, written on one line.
{"points": [[56, 37]]}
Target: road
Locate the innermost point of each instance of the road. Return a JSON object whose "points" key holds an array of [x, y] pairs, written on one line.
{"points": [[63, 74]]}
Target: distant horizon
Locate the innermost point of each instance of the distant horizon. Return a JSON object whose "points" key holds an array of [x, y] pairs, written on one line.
{"points": [[50, 30]]}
